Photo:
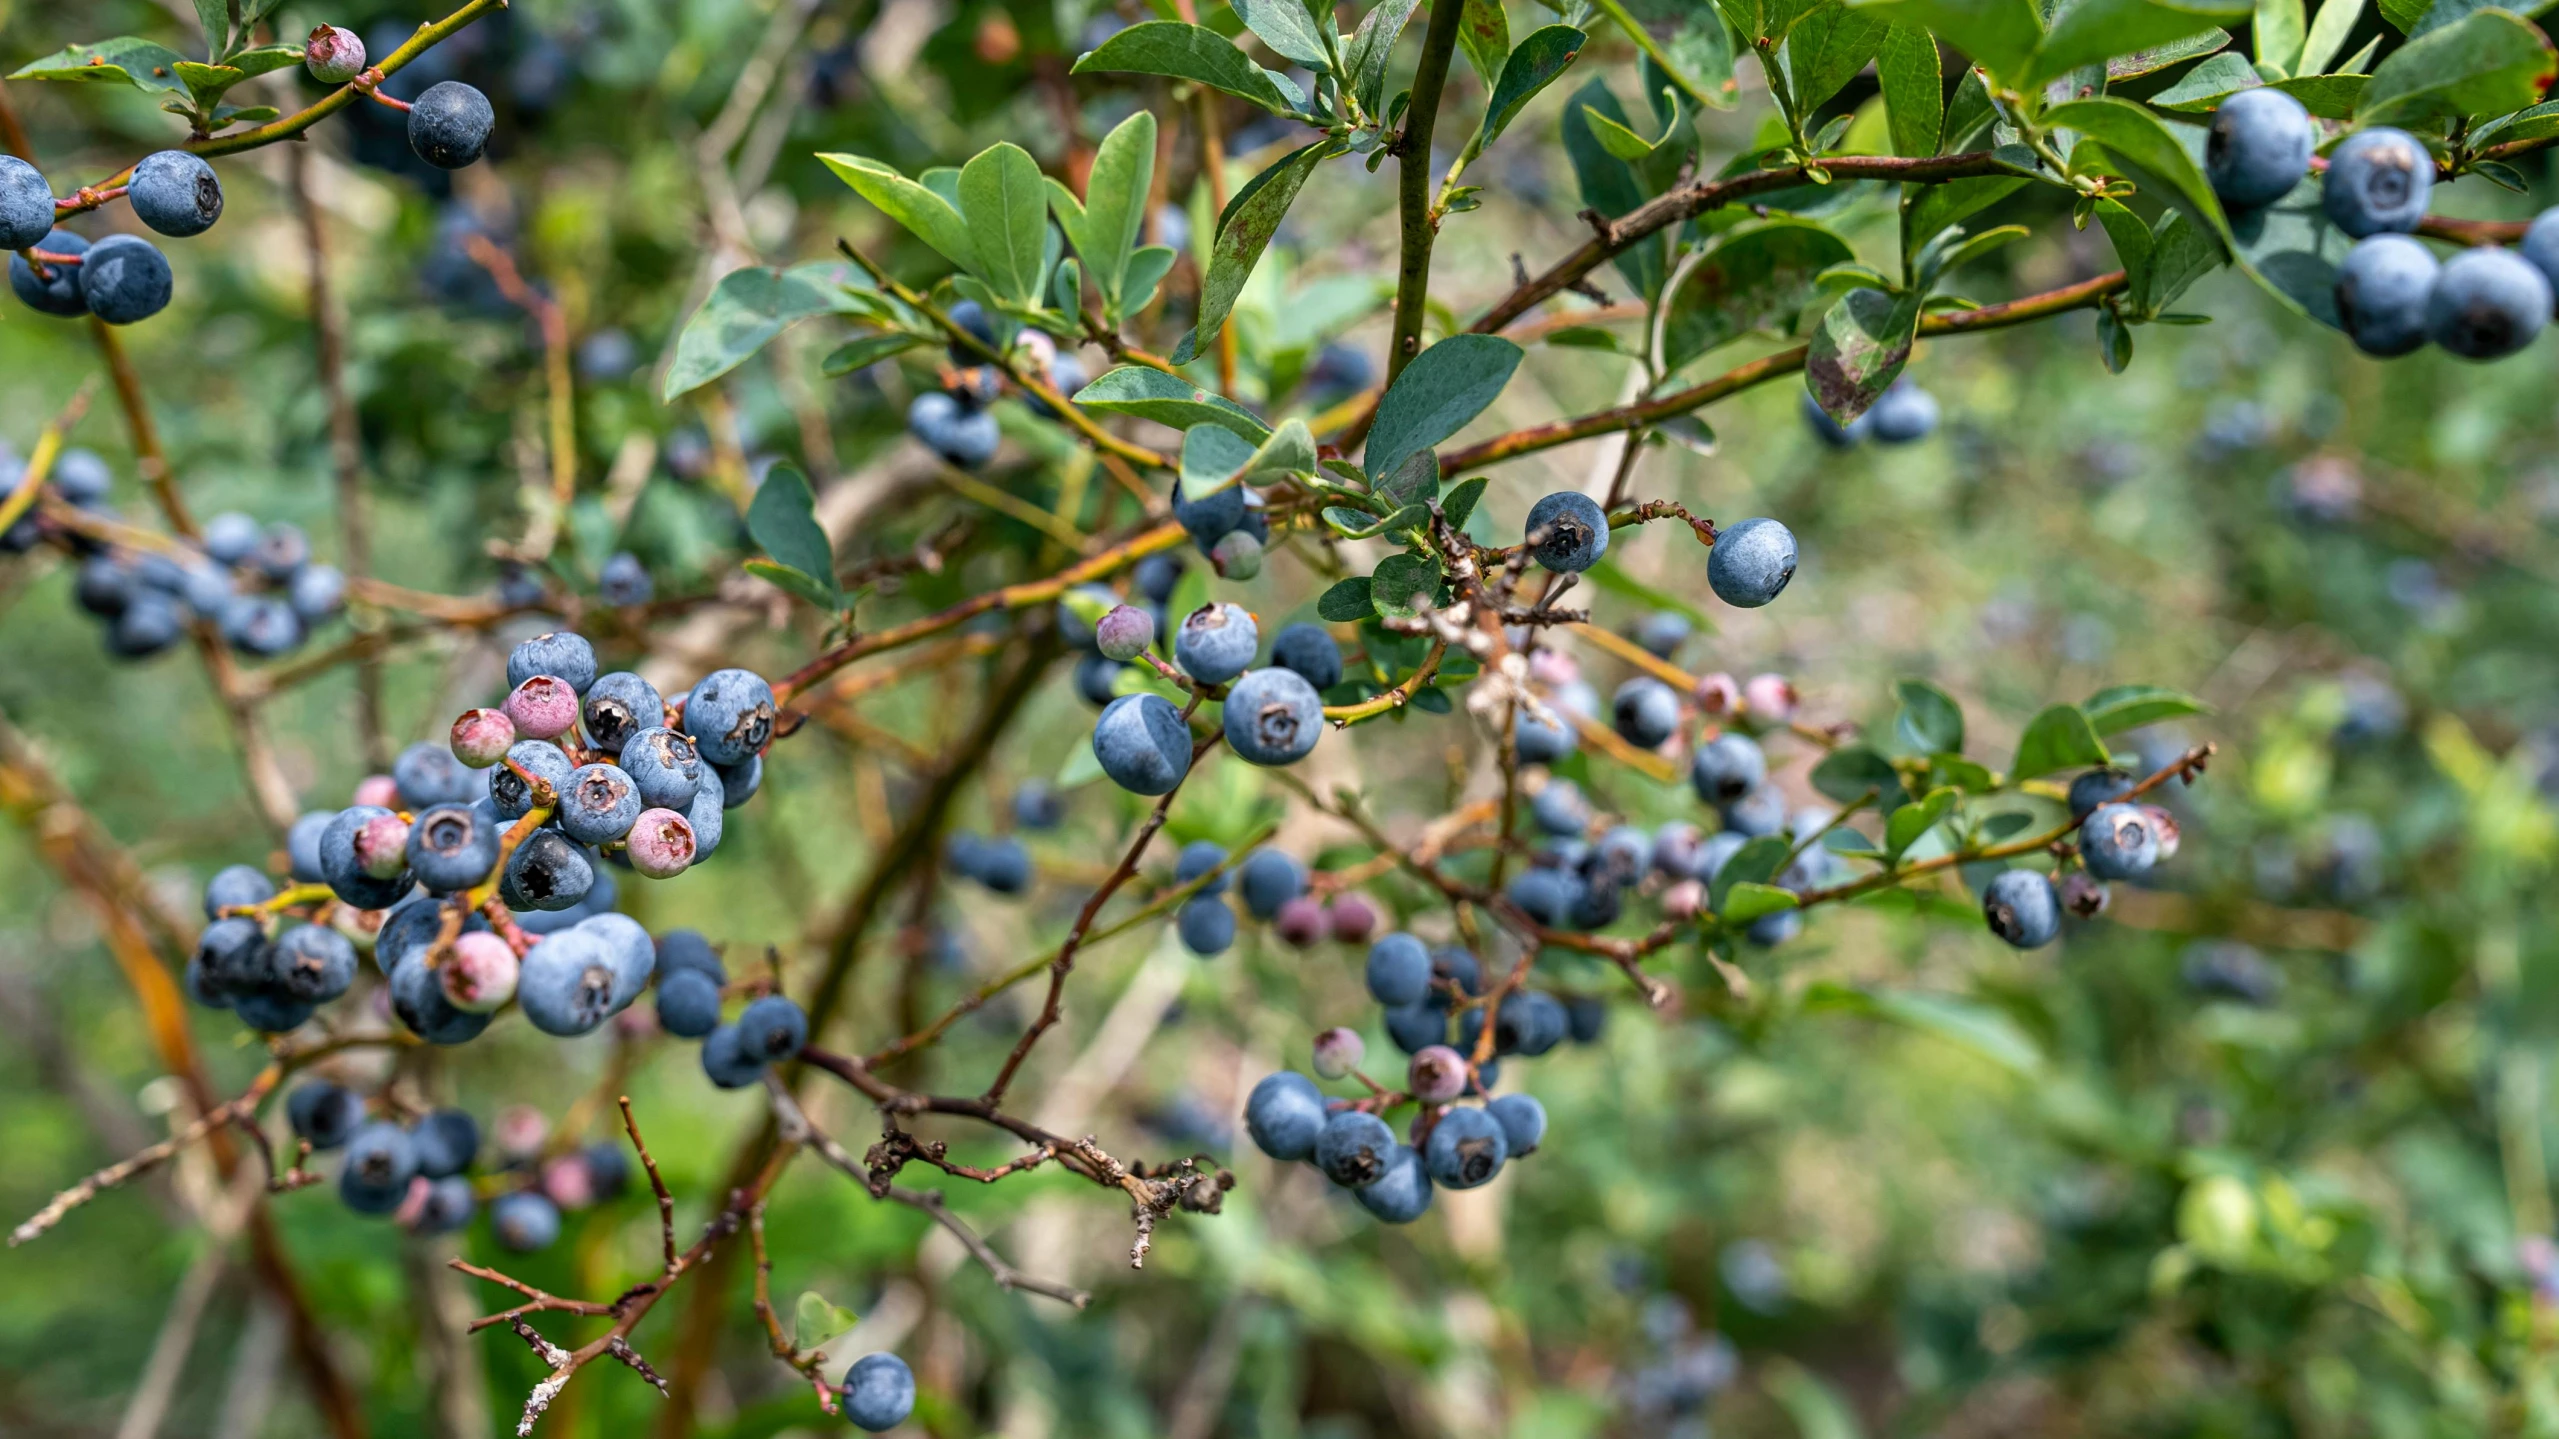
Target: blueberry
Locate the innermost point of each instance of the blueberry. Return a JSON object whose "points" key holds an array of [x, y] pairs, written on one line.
{"points": [[1311, 651], [729, 716], [688, 1003], [971, 316], [969, 440], [2377, 180], [2227, 969], [624, 581], [104, 587], [1095, 678], [1726, 768], [1037, 805], [380, 1160], [561, 655], [124, 279], [687, 949], [879, 1392], [324, 1114], [1760, 812], [1143, 744], [479, 973], [1401, 1192], [1206, 925], [419, 1001], [317, 592], [1546, 896], [428, 774], [312, 963], [175, 193], [1771, 930], [1623, 855], [725, 1062], [450, 1203], [26, 204], [1903, 413], [1354, 1148], [2096, 787], [2117, 841], [1199, 857], [1215, 643], [446, 1141], [450, 848], [234, 887], [2540, 245], [150, 624], [1156, 575], [1466, 1148], [449, 125], [261, 626], [1539, 739], [739, 782], [1211, 517], [540, 759], [342, 866], [302, 845], [663, 766], [1453, 966], [1751, 563], [1399, 970], [1338, 1052], [2022, 908], [567, 982], [1270, 878], [333, 56], [1567, 532], [271, 1011], [410, 929], [1002, 865], [547, 871], [1123, 633], [599, 804], [1831, 432], [1523, 1122], [2258, 148], [1531, 1023], [1416, 1027], [772, 1029], [58, 293], [1675, 847], [1285, 1115], [1273, 717], [524, 1221], [2487, 303], [1646, 712], [1436, 1075]]}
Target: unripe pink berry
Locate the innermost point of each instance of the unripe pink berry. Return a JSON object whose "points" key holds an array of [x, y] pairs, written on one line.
{"points": [[1553, 668], [382, 846], [1124, 633], [1717, 694], [334, 56], [2164, 825], [661, 843], [479, 975], [1437, 1074], [482, 737], [2083, 894], [1301, 921], [360, 926], [569, 1182], [1770, 697], [519, 1131], [377, 790], [543, 707], [1338, 1051], [1353, 918], [1683, 900]]}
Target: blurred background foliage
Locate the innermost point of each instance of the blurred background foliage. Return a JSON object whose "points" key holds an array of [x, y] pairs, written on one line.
{"points": [[2263, 1151]]}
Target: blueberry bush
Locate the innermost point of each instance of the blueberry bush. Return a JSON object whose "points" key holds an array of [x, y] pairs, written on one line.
{"points": [[825, 627]]}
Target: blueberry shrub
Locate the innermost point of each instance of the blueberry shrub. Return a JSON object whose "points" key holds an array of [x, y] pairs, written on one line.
{"points": [[816, 630]]}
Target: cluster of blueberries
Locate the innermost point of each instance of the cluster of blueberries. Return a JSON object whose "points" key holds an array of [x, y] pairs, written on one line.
{"points": [[1902, 414], [1001, 862], [1269, 881], [2392, 295], [691, 982], [255, 584], [1272, 715], [954, 421]]}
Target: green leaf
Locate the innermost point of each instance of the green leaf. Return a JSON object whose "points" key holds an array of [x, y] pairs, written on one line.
{"points": [[1347, 602], [925, 214], [2205, 86], [265, 59], [1484, 33], [123, 60], [782, 519], [1930, 721], [1186, 52], [796, 582], [746, 309], [215, 17], [2092, 31], [1998, 34], [1954, 256], [1862, 344], [1403, 584], [1545, 54], [1825, 50], [1908, 822], [1372, 44], [868, 350], [2114, 342], [1927, 210], [1914, 89], [2059, 738], [2180, 254], [1414, 482], [2277, 33], [2406, 14], [2489, 63], [1754, 863], [2290, 248], [1460, 502], [1214, 456], [2152, 59], [1846, 773], [1353, 524], [1749, 900], [1005, 203], [1758, 277], [818, 1321], [2328, 31], [1444, 387], [1244, 231], [2330, 97], [1285, 26], [1147, 267], [1699, 57], [2149, 153], [2121, 707], [1105, 225], [2131, 236], [1608, 184], [243, 115], [1972, 1025], [1168, 400]]}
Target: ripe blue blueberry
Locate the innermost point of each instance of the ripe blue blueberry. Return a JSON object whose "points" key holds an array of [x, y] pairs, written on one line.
{"points": [[57, 292], [1771, 930], [446, 1141], [1675, 846], [105, 586], [725, 1061], [540, 759], [1416, 1027], [1751, 563], [1270, 878], [688, 1003], [1156, 575], [1037, 805], [1541, 739], [1310, 650], [548, 871], [2118, 841], [1273, 717], [380, 1160], [2487, 303], [1466, 1148], [1567, 532], [451, 849], [971, 316], [772, 1029], [1726, 768], [1096, 679], [175, 193], [1523, 1121], [2022, 907], [1546, 896], [450, 1203], [324, 1114], [2098, 786], [1662, 633], [26, 204], [524, 1221], [1760, 812], [316, 592], [567, 982], [124, 279], [1206, 925], [624, 581], [599, 804], [235, 886], [449, 125], [628, 949], [1399, 970], [2540, 245], [271, 1011], [1354, 1148], [1143, 743], [739, 782], [1559, 809], [730, 716], [1003, 865], [1401, 1193], [2378, 179], [619, 706], [663, 766], [1903, 413], [1623, 855], [312, 963], [230, 537], [342, 869], [1215, 643], [562, 655], [150, 624], [1285, 1115], [2258, 148], [428, 774], [1646, 712], [1212, 516], [687, 949], [879, 1392], [1453, 967], [1198, 858], [2381, 293], [260, 625]]}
